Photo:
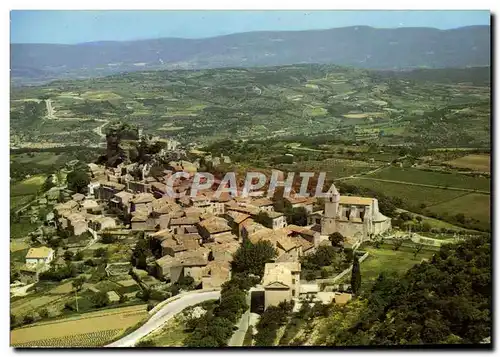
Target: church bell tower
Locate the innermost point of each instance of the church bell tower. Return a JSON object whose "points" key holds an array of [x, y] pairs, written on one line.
{"points": [[331, 212]]}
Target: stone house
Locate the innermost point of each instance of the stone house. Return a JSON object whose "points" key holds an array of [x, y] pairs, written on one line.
{"points": [[297, 201], [215, 274], [264, 204], [142, 202], [236, 220], [107, 189], [91, 206], [138, 186], [102, 223], [278, 219], [77, 224], [41, 255], [141, 222], [281, 282], [178, 225], [186, 263], [210, 228], [121, 201]]}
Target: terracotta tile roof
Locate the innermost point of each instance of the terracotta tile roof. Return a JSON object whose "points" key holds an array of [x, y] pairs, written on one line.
{"points": [[184, 221], [139, 216], [358, 201], [237, 217], [124, 196], [143, 198], [215, 225], [298, 229], [276, 274], [161, 235], [114, 185], [39, 253], [260, 202]]}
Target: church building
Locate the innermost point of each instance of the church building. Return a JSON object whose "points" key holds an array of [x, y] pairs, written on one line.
{"points": [[353, 217]]}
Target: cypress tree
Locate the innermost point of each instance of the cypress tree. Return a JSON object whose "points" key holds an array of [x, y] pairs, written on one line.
{"points": [[356, 276]]}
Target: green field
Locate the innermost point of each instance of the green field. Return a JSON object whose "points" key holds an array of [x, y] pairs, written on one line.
{"points": [[26, 187], [385, 259], [435, 223], [413, 196], [474, 206], [433, 178]]}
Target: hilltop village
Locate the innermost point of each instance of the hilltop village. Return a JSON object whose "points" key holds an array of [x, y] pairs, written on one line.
{"points": [[193, 237]]}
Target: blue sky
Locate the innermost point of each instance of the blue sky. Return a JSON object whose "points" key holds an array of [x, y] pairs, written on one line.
{"points": [[68, 27]]}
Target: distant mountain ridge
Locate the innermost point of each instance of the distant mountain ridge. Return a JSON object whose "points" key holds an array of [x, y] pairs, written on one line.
{"points": [[358, 46]]}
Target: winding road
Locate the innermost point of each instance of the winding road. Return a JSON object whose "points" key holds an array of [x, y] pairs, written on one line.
{"points": [[163, 315]]}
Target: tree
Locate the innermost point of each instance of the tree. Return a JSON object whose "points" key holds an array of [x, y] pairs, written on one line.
{"points": [[145, 343], [445, 300], [13, 321], [405, 216], [298, 216], [100, 299], [77, 286], [44, 313], [397, 244], [336, 239], [186, 283], [263, 218], [251, 258], [78, 256], [417, 250], [140, 252], [100, 252], [108, 238], [68, 255], [460, 217], [355, 276], [28, 319], [78, 180]]}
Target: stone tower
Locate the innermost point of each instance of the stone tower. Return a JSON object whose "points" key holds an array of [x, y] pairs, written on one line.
{"points": [[331, 212]]}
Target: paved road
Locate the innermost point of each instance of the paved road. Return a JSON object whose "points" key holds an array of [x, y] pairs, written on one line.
{"points": [[50, 109], [98, 130], [163, 315], [239, 335]]}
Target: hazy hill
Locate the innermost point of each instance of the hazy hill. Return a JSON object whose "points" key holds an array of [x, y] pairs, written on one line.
{"points": [[359, 46]]}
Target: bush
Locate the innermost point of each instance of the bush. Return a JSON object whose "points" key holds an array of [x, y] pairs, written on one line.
{"points": [[44, 313], [108, 238], [28, 319], [100, 299], [100, 253], [68, 255], [270, 322]]}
